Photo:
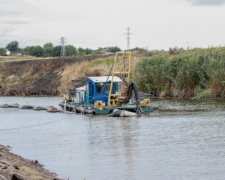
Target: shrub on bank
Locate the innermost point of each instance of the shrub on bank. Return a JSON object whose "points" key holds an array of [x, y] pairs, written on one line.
{"points": [[185, 74]]}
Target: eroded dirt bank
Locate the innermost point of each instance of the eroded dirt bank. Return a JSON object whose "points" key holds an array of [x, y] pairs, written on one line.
{"points": [[14, 167], [46, 76]]}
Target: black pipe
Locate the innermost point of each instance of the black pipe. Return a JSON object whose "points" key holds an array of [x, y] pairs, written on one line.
{"points": [[133, 87]]}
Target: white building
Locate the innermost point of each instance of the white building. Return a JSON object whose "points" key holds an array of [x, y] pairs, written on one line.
{"points": [[7, 52]]}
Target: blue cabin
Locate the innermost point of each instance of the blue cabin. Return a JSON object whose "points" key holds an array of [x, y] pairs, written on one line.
{"points": [[98, 88]]}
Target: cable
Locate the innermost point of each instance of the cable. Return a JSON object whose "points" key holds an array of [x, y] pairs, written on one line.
{"points": [[24, 127]]}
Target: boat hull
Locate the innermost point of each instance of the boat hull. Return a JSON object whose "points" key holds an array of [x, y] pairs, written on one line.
{"points": [[87, 109]]}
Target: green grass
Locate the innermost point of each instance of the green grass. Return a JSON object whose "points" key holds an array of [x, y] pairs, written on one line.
{"points": [[98, 62], [18, 58]]}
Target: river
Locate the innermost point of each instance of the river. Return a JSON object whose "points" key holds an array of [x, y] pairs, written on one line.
{"points": [[185, 139]]}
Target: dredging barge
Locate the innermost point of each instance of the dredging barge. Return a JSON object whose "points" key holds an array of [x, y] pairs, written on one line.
{"points": [[111, 95]]}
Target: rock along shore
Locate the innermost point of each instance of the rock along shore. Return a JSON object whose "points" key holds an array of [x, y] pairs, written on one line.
{"points": [[14, 167]]}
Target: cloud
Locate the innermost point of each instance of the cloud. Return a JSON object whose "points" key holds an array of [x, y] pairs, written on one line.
{"points": [[206, 2], [14, 22], [9, 13]]}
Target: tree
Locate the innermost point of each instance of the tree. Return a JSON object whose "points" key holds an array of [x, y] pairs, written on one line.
{"points": [[56, 51], [48, 49], [37, 51], [139, 49], [88, 51], [2, 51], [71, 50], [27, 49], [95, 52], [13, 46], [114, 49], [48, 45], [48, 52], [81, 51]]}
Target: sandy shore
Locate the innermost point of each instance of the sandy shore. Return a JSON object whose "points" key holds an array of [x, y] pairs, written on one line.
{"points": [[14, 167]]}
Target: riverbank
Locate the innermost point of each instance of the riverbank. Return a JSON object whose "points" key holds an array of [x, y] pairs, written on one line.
{"points": [[45, 76], [14, 167], [50, 77], [197, 73]]}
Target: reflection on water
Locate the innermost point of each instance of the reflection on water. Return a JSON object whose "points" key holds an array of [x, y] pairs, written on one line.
{"points": [[183, 140]]}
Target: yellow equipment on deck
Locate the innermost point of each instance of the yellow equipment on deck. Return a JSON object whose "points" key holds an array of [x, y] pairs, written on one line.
{"points": [[66, 97], [116, 99], [145, 103], [99, 105]]}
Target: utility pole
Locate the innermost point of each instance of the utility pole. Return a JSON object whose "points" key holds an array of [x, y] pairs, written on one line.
{"points": [[63, 49], [128, 38]]}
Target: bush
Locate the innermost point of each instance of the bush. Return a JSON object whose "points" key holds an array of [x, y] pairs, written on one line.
{"points": [[183, 73]]}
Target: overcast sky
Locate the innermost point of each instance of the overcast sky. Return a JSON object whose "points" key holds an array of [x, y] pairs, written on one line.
{"points": [[156, 24]]}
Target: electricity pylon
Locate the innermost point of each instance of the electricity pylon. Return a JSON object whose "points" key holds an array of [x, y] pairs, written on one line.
{"points": [[128, 38], [63, 49]]}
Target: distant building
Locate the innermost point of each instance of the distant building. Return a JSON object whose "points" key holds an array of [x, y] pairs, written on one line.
{"points": [[105, 51], [135, 52], [7, 52]]}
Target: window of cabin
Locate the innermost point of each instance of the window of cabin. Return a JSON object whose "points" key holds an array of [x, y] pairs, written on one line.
{"points": [[99, 87], [107, 86]]}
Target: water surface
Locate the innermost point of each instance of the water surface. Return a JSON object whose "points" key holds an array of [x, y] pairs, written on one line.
{"points": [[185, 139]]}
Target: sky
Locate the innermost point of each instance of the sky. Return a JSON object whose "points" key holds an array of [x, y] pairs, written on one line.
{"points": [[154, 24]]}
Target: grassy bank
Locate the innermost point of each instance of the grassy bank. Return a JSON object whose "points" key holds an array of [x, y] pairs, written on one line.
{"points": [[18, 58], [198, 73]]}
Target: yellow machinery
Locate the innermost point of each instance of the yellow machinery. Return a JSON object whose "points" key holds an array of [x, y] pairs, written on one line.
{"points": [[116, 99], [145, 103], [66, 98], [99, 105]]}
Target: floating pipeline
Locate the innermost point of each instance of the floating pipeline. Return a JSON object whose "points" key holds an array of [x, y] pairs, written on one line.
{"points": [[50, 109], [78, 109], [38, 108], [5, 106]]}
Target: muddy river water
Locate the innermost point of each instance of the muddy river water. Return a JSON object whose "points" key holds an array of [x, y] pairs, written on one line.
{"points": [[185, 139]]}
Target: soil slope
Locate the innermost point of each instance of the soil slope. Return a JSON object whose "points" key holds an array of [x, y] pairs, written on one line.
{"points": [[52, 76], [44, 76]]}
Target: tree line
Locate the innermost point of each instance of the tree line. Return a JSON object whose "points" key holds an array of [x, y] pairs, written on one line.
{"points": [[49, 50]]}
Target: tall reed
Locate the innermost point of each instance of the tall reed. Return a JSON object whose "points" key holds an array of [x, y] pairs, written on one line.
{"points": [[192, 73]]}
